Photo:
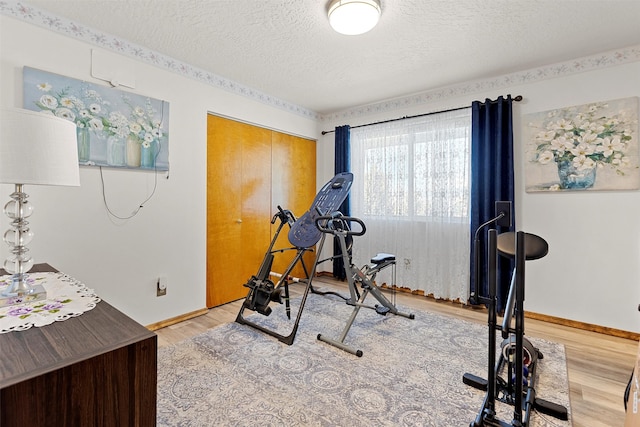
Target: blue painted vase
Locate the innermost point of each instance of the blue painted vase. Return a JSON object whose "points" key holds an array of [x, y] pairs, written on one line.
{"points": [[148, 155], [572, 178]]}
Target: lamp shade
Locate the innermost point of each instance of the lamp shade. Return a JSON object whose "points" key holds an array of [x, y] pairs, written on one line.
{"points": [[353, 17], [37, 148]]}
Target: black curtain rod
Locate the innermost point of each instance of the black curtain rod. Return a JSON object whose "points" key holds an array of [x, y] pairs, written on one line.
{"points": [[324, 132]]}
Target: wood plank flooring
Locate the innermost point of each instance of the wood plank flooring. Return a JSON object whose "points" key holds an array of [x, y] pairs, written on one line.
{"points": [[598, 365]]}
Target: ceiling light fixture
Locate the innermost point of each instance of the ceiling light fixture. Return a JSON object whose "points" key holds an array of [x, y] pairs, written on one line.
{"points": [[353, 17]]}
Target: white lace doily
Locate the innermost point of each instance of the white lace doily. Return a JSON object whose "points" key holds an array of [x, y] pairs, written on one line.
{"points": [[66, 298]]}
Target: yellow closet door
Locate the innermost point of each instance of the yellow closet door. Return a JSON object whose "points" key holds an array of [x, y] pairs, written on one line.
{"points": [[238, 206], [293, 169]]}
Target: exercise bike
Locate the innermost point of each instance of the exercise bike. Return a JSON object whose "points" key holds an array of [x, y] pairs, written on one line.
{"points": [[303, 236], [339, 226], [518, 356]]}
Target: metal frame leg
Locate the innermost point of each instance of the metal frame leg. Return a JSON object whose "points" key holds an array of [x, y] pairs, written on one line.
{"points": [[288, 339], [366, 280]]}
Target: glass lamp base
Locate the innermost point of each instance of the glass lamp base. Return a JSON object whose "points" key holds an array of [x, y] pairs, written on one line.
{"points": [[36, 293], [21, 289]]}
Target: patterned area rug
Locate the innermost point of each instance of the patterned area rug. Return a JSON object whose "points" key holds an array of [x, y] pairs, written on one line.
{"points": [[410, 373]]}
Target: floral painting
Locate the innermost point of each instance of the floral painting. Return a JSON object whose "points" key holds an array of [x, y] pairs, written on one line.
{"points": [[585, 147], [114, 128]]}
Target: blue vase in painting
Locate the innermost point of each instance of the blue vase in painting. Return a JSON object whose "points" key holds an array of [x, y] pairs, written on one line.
{"points": [[84, 144], [148, 154], [572, 178]]}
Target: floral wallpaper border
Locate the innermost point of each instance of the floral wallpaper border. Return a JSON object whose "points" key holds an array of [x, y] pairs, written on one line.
{"points": [[62, 25], [607, 59]]}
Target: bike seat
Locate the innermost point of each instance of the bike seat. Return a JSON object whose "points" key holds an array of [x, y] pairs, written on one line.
{"points": [[382, 257], [535, 247]]}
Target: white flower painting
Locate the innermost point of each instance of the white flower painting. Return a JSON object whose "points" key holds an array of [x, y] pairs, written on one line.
{"points": [[585, 147], [115, 128]]}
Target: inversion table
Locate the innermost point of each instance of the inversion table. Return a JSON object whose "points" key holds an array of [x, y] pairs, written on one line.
{"points": [[303, 236]]}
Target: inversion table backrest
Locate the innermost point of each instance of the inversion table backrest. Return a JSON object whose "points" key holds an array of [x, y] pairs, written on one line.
{"points": [[304, 233]]}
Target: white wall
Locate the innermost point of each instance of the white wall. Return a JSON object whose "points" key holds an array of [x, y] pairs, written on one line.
{"points": [[122, 259], [592, 271], [591, 274]]}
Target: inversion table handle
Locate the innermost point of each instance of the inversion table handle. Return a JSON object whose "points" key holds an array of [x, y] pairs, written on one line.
{"points": [[330, 225]]}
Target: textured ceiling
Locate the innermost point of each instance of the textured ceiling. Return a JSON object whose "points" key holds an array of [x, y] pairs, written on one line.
{"points": [[285, 48]]}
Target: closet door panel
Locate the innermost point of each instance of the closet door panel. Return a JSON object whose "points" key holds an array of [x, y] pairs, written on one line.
{"points": [[224, 203], [256, 200], [238, 202], [293, 188]]}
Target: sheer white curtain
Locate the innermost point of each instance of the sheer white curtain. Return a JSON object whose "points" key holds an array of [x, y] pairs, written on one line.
{"points": [[411, 188]]}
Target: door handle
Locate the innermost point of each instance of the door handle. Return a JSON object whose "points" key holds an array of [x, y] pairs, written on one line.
{"points": [[239, 221]]}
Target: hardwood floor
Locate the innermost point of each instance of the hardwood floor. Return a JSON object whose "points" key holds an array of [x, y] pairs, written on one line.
{"points": [[598, 365]]}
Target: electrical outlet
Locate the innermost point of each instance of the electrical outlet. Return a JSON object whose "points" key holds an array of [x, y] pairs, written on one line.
{"points": [[161, 286]]}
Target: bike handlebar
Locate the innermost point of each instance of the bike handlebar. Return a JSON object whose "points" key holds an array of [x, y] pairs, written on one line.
{"points": [[340, 224]]}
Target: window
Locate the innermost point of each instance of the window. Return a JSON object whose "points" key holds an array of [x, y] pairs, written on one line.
{"points": [[414, 168], [411, 187]]}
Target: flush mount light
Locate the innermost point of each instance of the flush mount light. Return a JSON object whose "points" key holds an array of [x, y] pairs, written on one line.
{"points": [[353, 17]]}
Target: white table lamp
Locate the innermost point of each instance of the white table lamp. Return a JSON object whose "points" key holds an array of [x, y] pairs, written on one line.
{"points": [[35, 148]]}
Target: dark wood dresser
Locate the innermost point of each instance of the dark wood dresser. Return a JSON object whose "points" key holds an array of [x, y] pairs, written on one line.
{"points": [[97, 369]]}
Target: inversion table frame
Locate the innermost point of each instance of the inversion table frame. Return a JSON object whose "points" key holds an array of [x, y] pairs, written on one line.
{"points": [[303, 235]]}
